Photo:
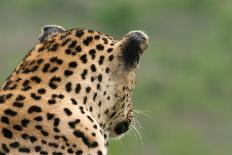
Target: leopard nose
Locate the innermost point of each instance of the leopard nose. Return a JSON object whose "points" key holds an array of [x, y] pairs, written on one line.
{"points": [[121, 128]]}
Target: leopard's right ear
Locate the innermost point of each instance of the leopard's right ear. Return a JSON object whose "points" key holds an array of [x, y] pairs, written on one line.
{"points": [[48, 31]]}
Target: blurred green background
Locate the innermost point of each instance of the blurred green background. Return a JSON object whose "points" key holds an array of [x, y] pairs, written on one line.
{"points": [[185, 77]]}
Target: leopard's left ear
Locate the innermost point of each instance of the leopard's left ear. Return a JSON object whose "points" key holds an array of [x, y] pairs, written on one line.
{"points": [[48, 31]]}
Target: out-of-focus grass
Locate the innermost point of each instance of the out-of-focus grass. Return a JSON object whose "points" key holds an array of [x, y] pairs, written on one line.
{"points": [[184, 82]]}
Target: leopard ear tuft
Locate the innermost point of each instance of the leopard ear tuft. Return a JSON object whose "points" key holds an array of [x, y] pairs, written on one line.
{"points": [[48, 31]]}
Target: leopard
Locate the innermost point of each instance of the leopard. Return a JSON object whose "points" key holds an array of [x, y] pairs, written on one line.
{"points": [[71, 93]]}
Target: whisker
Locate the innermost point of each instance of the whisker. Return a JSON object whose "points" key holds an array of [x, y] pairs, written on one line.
{"points": [[138, 133], [143, 113], [136, 122]]}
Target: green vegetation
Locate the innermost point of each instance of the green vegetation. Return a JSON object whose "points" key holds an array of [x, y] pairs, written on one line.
{"points": [[184, 82]]}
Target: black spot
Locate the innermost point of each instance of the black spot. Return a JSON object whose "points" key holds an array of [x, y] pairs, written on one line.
{"points": [[7, 133], [98, 86], [105, 40], [72, 64], [44, 142], [52, 101], [56, 60], [88, 89], [54, 47], [2, 98], [92, 52], [78, 88], [94, 96], [17, 127], [14, 144], [100, 77], [37, 148], [78, 48], [90, 31], [85, 140], [60, 96], [52, 82], [113, 114], [39, 127], [25, 122], [56, 130], [10, 112], [88, 40], [79, 152], [36, 97], [101, 59], [64, 138], [79, 33], [72, 44], [53, 69], [46, 67], [25, 136], [41, 49], [50, 116], [38, 118], [36, 79], [33, 139], [70, 151], [44, 133], [56, 122], [111, 57], [99, 104], [68, 73], [26, 85], [9, 86], [53, 145], [99, 153], [100, 47], [65, 41], [24, 149], [85, 100], [90, 118], [90, 108], [95, 126], [8, 96], [41, 91], [93, 68], [39, 61], [74, 102], [72, 124], [67, 111], [106, 111], [68, 87], [84, 73], [84, 58], [68, 51], [34, 108], [82, 109], [97, 37], [5, 119], [107, 70], [92, 79]]}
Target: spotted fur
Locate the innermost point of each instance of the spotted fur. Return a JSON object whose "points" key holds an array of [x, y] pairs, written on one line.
{"points": [[70, 93]]}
